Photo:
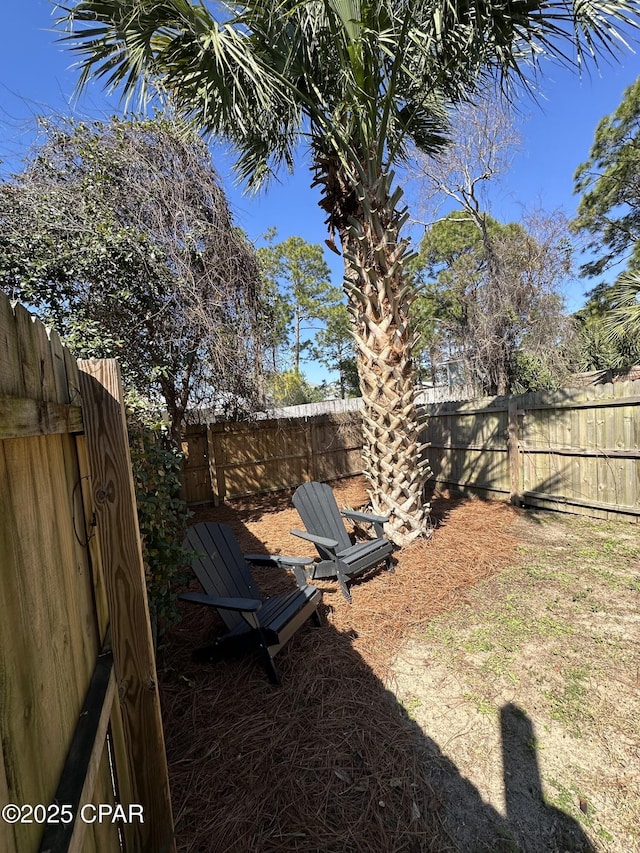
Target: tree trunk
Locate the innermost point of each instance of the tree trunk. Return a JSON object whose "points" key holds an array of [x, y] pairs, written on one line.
{"points": [[379, 299], [497, 350], [296, 345]]}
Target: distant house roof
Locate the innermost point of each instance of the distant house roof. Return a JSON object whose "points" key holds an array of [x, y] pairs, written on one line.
{"points": [[351, 404]]}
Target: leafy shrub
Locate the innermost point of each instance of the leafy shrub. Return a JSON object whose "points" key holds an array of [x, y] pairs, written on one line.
{"points": [[162, 513]]}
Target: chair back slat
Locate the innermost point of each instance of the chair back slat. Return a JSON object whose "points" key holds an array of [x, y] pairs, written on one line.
{"points": [[319, 511], [219, 565]]}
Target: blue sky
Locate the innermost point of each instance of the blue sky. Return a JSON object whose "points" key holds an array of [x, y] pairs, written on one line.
{"points": [[36, 76]]}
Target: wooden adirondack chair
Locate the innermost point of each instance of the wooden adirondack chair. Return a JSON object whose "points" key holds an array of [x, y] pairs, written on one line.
{"points": [[339, 557], [252, 623]]}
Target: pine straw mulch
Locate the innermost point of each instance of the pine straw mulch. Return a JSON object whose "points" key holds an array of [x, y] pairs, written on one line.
{"points": [[329, 761]]}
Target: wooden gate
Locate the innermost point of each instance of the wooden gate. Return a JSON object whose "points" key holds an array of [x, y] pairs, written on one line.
{"points": [[79, 710]]}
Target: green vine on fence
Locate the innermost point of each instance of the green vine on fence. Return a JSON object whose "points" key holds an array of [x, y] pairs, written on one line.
{"points": [[162, 513]]}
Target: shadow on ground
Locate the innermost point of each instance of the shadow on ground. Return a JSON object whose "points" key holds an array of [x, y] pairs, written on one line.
{"points": [[330, 761]]}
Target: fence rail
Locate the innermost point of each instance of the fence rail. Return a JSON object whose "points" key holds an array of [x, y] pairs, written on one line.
{"points": [[227, 460]]}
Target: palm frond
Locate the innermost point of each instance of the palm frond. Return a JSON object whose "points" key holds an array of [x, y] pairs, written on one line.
{"points": [[140, 47], [367, 75], [623, 320]]}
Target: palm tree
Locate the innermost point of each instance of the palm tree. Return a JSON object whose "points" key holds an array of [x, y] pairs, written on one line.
{"points": [[358, 82], [623, 320]]}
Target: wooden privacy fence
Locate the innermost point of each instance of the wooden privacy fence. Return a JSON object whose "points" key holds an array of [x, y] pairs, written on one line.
{"points": [[226, 460], [80, 722], [575, 450]]}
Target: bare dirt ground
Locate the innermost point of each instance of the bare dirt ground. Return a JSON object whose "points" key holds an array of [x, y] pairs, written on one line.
{"points": [[484, 697], [532, 690]]}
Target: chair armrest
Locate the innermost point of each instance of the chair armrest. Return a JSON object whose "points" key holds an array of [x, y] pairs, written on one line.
{"points": [[364, 516], [296, 564], [369, 518], [332, 544], [242, 605], [278, 560]]}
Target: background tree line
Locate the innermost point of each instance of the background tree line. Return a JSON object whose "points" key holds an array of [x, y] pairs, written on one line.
{"points": [[608, 183], [360, 85], [490, 310], [120, 235], [308, 321], [356, 84], [490, 306]]}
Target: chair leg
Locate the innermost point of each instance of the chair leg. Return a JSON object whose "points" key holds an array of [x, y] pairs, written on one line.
{"points": [[389, 564], [343, 586], [301, 576], [267, 660], [317, 619], [268, 666], [271, 671]]}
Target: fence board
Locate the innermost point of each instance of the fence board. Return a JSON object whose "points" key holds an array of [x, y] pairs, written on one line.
{"points": [[10, 370], [573, 450], [226, 460], [7, 840], [134, 661], [196, 477]]}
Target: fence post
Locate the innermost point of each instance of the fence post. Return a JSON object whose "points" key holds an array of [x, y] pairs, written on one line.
{"points": [[121, 550], [513, 452], [310, 433], [216, 454], [213, 468]]}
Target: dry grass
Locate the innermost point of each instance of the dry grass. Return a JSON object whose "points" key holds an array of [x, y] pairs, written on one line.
{"points": [[330, 761]]}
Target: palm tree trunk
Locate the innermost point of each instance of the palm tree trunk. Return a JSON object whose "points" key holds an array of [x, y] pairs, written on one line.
{"points": [[379, 299]]}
